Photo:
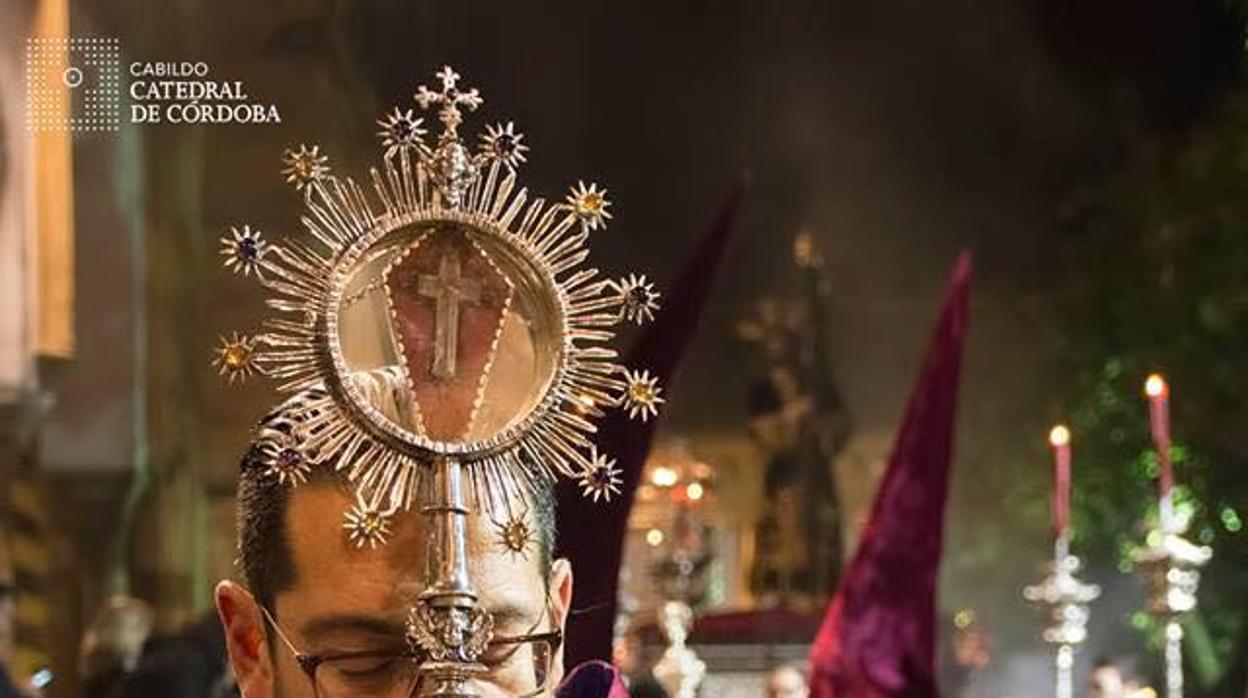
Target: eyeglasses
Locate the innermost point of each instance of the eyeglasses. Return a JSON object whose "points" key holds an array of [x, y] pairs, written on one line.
{"points": [[515, 666]]}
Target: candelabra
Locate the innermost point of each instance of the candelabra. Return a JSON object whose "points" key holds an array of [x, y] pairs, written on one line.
{"points": [[682, 577], [1065, 600], [679, 670], [1170, 567]]}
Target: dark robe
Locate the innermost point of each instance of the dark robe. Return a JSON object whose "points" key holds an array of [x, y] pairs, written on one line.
{"points": [[7, 689], [592, 679]]}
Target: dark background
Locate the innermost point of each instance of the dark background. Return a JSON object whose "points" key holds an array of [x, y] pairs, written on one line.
{"points": [[897, 132]]}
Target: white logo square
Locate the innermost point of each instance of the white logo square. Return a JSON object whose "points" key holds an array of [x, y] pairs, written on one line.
{"points": [[73, 84]]}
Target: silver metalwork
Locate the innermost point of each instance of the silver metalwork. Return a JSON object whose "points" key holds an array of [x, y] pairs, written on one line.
{"points": [[641, 399], [638, 299], [304, 166], [679, 670], [454, 168], [449, 289], [467, 207], [243, 250], [449, 625], [301, 348], [236, 357], [1065, 600], [602, 480], [1170, 567]]}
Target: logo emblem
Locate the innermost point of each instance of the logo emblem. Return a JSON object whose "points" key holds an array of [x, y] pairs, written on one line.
{"points": [[73, 84]]}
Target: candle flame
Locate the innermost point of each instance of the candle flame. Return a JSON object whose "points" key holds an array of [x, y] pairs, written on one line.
{"points": [[1156, 386], [1059, 435]]}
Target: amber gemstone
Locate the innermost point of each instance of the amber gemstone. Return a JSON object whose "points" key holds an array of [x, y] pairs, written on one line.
{"points": [[236, 356], [591, 203]]}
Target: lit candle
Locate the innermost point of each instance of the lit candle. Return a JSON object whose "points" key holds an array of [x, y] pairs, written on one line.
{"points": [[1159, 417], [1059, 439]]}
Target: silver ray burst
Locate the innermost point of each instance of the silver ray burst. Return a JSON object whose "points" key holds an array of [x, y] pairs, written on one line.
{"points": [[489, 314]]}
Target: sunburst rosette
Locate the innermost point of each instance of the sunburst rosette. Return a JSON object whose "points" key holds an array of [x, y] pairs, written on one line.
{"points": [[601, 480], [638, 299], [401, 131], [503, 143], [303, 166], [366, 525], [283, 458], [238, 357], [394, 307], [242, 251], [515, 534]]}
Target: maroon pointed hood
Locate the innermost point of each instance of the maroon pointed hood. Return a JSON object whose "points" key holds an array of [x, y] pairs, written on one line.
{"points": [[591, 534], [878, 637]]}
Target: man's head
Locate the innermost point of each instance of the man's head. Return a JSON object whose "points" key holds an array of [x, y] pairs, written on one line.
{"points": [[1107, 680], [787, 681], [329, 597]]}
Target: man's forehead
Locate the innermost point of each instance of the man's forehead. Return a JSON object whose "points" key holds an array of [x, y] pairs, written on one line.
{"points": [[330, 569]]}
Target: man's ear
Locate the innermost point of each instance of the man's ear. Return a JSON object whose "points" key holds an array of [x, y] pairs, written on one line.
{"points": [[245, 640], [561, 590], [560, 602]]}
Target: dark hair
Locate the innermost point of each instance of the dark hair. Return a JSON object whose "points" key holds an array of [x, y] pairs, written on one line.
{"points": [[1103, 661], [263, 550]]}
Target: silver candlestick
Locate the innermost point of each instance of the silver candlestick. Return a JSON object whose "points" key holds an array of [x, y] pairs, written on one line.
{"points": [[1065, 600], [679, 670], [1170, 567]]}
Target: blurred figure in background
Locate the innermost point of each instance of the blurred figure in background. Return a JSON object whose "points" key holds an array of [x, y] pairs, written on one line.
{"points": [[965, 651], [627, 656], [787, 681], [1107, 680], [190, 664], [113, 643]]}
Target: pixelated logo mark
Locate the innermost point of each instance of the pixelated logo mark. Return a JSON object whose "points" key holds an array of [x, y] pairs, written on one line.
{"points": [[73, 84]]}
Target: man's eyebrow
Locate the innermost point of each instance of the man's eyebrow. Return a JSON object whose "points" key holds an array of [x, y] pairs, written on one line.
{"points": [[509, 613], [503, 614], [352, 622]]}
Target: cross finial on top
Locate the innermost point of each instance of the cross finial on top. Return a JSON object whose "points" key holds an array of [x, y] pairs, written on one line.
{"points": [[450, 99]]}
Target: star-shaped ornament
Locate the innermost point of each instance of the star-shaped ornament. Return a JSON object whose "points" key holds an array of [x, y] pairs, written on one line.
{"points": [[237, 357], [304, 166], [502, 143], [641, 395], [638, 299], [243, 250], [515, 535], [590, 205], [366, 526], [601, 479], [284, 460], [401, 131]]}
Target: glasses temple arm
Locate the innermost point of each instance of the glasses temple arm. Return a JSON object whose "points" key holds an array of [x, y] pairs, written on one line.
{"points": [[272, 622]]}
